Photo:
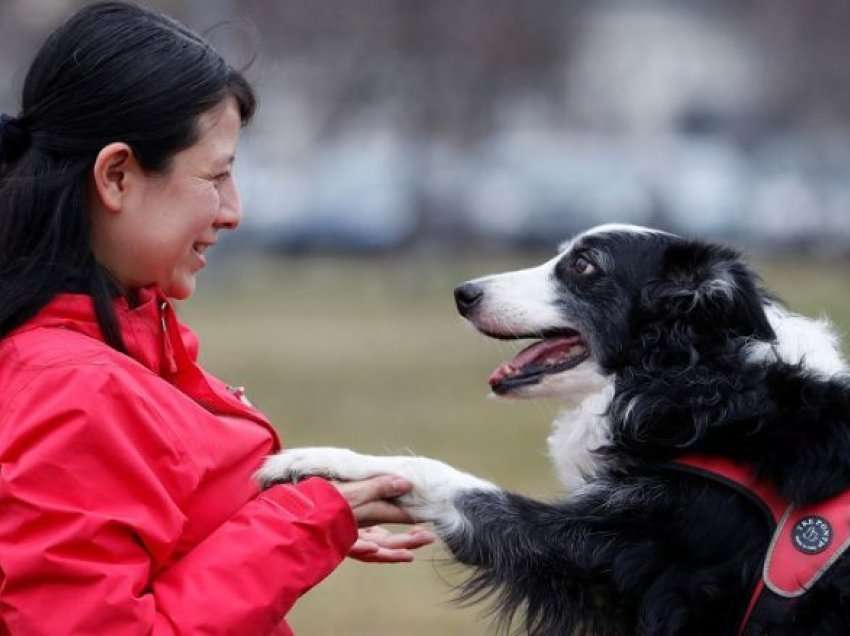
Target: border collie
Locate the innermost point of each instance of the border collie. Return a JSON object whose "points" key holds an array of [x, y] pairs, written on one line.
{"points": [[663, 346]]}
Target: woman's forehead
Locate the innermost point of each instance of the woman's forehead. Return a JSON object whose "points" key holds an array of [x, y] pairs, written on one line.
{"points": [[218, 133]]}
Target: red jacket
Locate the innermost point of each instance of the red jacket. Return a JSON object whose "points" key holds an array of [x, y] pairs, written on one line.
{"points": [[127, 504]]}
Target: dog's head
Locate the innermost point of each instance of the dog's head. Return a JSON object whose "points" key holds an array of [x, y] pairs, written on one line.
{"points": [[612, 297]]}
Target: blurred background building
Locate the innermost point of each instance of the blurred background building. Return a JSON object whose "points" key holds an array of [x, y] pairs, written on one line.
{"points": [[390, 124]]}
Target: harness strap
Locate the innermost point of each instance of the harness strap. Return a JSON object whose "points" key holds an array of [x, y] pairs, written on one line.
{"points": [[812, 537], [740, 477], [806, 541]]}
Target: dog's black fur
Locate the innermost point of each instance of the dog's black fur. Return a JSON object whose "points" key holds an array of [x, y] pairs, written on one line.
{"points": [[643, 549]]}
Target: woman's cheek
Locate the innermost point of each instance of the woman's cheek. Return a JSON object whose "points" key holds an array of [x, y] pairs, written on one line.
{"points": [[210, 205]]}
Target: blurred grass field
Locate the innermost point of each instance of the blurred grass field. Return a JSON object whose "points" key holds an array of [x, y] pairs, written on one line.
{"points": [[370, 354]]}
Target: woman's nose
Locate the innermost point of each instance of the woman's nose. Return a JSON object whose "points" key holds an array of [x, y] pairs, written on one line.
{"points": [[230, 213]]}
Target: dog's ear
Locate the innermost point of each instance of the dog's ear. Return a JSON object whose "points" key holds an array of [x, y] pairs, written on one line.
{"points": [[710, 288]]}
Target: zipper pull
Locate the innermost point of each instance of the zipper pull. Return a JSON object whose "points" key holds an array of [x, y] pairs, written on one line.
{"points": [[168, 349], [239, 392]]}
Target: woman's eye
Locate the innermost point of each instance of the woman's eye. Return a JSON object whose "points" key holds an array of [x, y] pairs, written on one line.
{"points": [[221, 178], [583, 266]]}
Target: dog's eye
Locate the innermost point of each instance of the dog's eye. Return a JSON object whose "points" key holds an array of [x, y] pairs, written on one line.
{"points": [[583, 266]]}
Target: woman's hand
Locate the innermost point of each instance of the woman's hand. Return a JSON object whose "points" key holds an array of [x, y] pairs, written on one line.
{"points": [[370, 500], [379, 545]]}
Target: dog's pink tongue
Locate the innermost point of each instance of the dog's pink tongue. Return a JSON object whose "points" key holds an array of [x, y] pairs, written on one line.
{"points": [[545, 351]]}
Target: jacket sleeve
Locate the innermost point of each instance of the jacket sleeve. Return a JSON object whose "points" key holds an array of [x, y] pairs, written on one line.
{"points": [[90, 511]]}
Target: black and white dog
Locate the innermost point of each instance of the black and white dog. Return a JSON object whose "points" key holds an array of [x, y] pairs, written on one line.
{"points": [[664, 346]]}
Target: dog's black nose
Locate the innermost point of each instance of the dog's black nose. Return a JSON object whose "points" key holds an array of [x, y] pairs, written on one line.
{"points": [[467, 296]]}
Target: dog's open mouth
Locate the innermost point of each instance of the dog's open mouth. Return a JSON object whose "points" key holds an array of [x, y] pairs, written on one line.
{"points": [[544, 357]]}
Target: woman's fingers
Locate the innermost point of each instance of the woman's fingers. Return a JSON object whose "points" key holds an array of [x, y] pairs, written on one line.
{"points": [[379, 545], [370, 499], [413, 538], [385, 555], [376, 512], [362, 548], [376, 488]]}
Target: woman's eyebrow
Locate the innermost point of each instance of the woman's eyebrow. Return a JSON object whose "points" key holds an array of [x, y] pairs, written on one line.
{"points": [[225, 161]]}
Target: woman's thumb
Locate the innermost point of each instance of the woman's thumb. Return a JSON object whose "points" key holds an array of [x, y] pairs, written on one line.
{"points": [[380, 487]]}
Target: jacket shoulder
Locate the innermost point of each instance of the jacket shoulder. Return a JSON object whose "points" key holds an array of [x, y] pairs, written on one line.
{"points": [[54, 346], [53, 373], [81, 391]]}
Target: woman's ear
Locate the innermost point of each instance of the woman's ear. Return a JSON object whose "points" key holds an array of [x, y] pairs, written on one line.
{"points": [[112, 172]]}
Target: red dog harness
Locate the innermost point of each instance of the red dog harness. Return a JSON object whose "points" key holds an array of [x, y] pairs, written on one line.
{"points": [[806, 541]]}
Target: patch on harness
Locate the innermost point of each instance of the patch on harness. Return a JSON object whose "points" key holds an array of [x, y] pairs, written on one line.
{"points": [[811, 535]]}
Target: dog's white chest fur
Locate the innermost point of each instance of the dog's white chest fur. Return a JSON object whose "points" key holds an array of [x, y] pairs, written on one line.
{"points": [[576, 433]]}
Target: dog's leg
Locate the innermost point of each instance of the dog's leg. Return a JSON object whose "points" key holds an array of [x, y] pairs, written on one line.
{"points": [[522, 547], [436, 485]]}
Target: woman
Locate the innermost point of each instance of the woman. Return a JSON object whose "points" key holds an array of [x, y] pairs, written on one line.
{"points": [[126, 494]]}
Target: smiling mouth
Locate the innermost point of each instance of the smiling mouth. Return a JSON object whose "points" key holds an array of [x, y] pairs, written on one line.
{"points": [[548, 356], [200, 248]]}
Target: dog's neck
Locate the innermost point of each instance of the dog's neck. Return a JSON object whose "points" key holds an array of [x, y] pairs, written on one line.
{"points": [[790, 422], [576, 434], [754, 425]]}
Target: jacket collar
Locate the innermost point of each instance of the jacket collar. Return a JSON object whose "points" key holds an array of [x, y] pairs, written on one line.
{"points": [[144, 326], [156, 339]]}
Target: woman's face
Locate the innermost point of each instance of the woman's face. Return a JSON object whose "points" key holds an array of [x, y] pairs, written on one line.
{"points": [[164, 223]]}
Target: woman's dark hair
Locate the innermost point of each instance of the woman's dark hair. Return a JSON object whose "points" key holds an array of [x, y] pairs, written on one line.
{"points": [[114, 72]]}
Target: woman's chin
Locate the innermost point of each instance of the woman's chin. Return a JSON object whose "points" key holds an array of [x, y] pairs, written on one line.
{"points": [[181, 288]]}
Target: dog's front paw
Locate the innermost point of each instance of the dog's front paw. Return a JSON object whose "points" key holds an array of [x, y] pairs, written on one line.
{"points": [[298, 463]]}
